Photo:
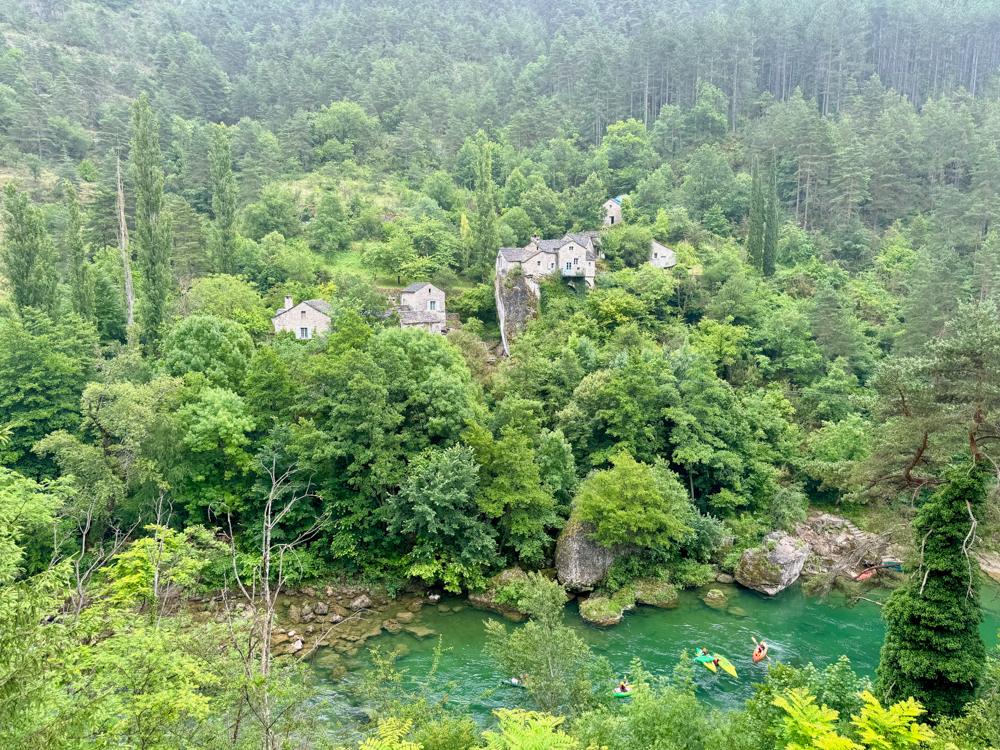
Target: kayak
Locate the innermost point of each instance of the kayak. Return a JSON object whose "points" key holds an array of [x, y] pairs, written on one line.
{"points": [[760, 652], [708, 661], [513, 684], [727, 665], [621, 695]]}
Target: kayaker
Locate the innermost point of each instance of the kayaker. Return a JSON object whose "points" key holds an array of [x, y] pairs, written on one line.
{"points": [[700, 652], [715, 661], [623, 687]]}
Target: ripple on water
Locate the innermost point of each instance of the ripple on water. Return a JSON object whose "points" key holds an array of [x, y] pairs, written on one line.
{"points": [[798, 630]]}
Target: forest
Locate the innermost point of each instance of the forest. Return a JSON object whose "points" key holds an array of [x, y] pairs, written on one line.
{"points": [[827, 176]]}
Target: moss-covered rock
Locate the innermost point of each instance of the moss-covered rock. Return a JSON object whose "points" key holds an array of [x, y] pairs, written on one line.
{"points": [[775, 565]]}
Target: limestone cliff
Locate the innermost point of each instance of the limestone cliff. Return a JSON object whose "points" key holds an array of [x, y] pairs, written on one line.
{"points": [[517, 302]]}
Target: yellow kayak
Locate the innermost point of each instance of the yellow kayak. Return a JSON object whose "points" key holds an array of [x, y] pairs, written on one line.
{"points": [[709, 662], [727, 665]]}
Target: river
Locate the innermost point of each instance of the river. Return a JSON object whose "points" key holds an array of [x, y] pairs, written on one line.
{"points": [[798, 630]]}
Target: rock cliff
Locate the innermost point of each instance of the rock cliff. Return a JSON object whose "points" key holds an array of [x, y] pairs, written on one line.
{"points": [[517, 303], [581, 563], [775, 565]]}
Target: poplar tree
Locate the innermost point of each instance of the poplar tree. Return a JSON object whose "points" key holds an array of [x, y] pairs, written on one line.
{"points": [[153, 230], [81, 279], [486, 240], [771, 223], [28, 255], [755, 237], [224, 193], [932, 650]]}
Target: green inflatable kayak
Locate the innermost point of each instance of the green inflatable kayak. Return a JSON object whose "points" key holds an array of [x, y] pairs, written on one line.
{"points": [[621, 695]]}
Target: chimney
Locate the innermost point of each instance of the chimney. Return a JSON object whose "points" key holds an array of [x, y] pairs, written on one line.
{"points": [[288, 303]]}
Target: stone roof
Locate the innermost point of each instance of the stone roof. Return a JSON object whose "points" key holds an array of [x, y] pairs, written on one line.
{"points": [[319, 305], [514, 254], [416, 286], [414, 317]]}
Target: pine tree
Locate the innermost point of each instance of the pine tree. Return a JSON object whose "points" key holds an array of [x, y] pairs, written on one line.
{"points": [[932, 650], [772, 222], [487, 234], [224, 192], [153, 230], [81, 278], [28, 255], [755, 237]]}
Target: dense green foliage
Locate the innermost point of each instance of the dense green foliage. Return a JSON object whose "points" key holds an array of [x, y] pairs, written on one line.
{"points": [[932, 649]]}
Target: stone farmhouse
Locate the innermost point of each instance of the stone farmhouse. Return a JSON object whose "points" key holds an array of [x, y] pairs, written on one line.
{"points": [[421, 305], [573, 257], [305, 319], [613, 211], [662, 256]]}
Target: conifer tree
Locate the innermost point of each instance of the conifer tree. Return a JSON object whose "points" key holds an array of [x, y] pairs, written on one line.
{"points": [[771, 223], [487, 234], [153, 223], [932, 650], [755, 237], [81, 279], [28, 255], [224, 193]]}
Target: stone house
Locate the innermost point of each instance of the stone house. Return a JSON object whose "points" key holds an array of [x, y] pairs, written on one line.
{"points": [[422, 305], [613, 211], [305, 319], [573, 256], [662, 256]]}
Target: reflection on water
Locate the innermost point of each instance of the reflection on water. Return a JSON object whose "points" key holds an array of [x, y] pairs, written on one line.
{"points": [[798, 630]]}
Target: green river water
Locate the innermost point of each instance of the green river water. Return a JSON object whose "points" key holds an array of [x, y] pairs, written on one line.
{"points": [[798, 630]]}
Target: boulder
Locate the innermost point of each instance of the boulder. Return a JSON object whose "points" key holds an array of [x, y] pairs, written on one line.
{"points": [[294, 615], [294, 647], [581, 563], [724, 578], [306, 609], [716, 599], [775, 565], [327, 660], [392, 626], [419, 631], [600, 610], [989, 562], [488, 599], [434, 598], [405, 617], [321, 609], [415, 605], [655, 593], [362, 602]]}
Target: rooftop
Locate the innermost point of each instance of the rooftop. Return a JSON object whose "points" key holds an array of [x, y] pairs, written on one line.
{"points": [[416, 286]]}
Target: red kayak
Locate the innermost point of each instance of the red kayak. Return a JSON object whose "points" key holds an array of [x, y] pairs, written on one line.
{"points": [[760, 652]]}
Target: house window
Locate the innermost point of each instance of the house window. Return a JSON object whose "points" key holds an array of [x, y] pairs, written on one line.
{"points": [[612, 219], [539, 262], [576, 261], [432, 305], [303, 313], [551, 266], [304, 333], [569, 266], [655, 256]]}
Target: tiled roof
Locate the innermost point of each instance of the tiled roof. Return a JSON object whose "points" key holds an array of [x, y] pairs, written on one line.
{"points": [[514, 254], [321, 305], [416, 286], [413, 317]]}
